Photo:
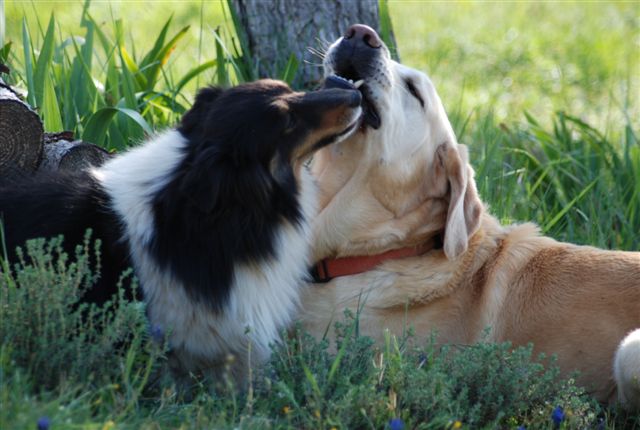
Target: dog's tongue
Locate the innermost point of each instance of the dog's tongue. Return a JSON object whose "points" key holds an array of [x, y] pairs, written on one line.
{"points": [[335, 81]]}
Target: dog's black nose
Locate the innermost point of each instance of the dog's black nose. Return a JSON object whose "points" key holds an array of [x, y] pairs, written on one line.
{"points": [[364, 33]]}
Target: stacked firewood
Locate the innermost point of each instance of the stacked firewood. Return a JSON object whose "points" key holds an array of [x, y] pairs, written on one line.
{"points": [[26, 148]]}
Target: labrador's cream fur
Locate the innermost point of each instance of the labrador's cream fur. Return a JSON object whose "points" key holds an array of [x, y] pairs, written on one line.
{"points": [[409, 181], [627, 370]]}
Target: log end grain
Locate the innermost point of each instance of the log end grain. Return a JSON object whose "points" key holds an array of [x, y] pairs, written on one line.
{"points": [[21, 133]]}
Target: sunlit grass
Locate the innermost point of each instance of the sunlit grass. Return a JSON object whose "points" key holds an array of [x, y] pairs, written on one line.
{"points": [[511, 57], [141, 19]]}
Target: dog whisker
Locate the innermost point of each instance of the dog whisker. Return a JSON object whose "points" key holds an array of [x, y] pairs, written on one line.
{"points": [[312, 64], [324, 43], [316, 52]]}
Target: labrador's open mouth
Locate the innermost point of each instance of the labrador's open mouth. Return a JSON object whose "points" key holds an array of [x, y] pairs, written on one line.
{"points": [[348, 79]]}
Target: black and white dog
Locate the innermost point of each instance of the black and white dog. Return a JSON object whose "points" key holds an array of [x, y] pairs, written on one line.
{"points": [[213, 216]]}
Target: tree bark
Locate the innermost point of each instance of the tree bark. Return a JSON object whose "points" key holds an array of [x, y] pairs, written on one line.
{"points": [[61, 152], [25, 148], [276, 29], [21, 133]]}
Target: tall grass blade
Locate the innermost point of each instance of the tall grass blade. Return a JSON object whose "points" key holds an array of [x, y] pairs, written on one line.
{"points": [[5, 50], [2, 23], [241, 65], [244, 66], [133, 79], [43, 63], [152, 55], [84, 17], [129, 63], [312, 380], [290, 69], [99, 122], [112, 87], [386, 29], [107, 44], [549, 225], [196, 71], [128, 84], [83, 89], [162, 56], [222, 77], [28, 63], [243, 38], [51, 107]]}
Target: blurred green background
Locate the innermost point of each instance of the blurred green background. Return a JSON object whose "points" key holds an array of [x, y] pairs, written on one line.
{"points": [[583, 57]]}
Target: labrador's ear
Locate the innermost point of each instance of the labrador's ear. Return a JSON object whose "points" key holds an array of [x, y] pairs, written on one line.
{"points": [[452, 171]]}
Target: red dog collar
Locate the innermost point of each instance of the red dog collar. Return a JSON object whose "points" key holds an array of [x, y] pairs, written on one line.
{"points": [[329, 268]]}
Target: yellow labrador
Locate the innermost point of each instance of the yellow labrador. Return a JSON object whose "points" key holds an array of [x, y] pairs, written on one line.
{"points": [[401, 182]]}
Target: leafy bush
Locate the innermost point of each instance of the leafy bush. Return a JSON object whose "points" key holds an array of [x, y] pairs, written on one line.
{"points": [[47, 330], [361, 386], [86, 365]]}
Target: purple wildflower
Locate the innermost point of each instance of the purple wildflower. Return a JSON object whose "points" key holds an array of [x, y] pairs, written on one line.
{"points": [[422, 359], [558, 415], [396, 424], [44, 423], [522, 428], [157, 333]]}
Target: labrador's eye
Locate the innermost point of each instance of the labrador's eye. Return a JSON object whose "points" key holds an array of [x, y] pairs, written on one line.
{"points": [[414, 92]]}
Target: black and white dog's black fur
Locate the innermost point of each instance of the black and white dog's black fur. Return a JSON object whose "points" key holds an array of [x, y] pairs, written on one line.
{"points": [[213, 216]]}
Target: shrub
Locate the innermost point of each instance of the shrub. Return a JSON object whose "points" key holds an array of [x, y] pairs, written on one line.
{"points": [[47, 330]]}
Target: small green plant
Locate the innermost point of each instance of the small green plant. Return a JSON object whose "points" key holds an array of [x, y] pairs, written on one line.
{"points": [[89, 366], [426, 386], [48, 331]]}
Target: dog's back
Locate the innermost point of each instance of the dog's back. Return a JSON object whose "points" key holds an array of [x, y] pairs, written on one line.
{"points": [[67, 204]]}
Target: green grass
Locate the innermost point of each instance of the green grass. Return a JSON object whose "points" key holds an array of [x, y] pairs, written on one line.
{"points": [[511, 57], [544, 94]]}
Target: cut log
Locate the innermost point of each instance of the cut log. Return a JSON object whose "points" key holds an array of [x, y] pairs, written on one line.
{"points": [[276, 29], [21, 133], [63, 153]]}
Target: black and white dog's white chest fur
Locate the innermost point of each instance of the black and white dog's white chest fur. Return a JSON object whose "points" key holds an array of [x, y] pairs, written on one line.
{"points": [[213, 217], [253, 299]]}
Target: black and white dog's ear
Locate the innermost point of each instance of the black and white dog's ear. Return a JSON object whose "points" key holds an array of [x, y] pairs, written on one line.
{"points": [[198, 113], [213, 184]]}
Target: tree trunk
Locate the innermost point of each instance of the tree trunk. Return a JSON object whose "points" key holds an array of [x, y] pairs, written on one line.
{"points": [[20, 133], [276, 29]]}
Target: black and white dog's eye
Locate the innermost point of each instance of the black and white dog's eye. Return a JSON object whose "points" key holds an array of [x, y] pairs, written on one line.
{"points": [[414, 92]]}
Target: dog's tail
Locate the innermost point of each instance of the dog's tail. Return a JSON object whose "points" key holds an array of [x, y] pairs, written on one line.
{"points": [[626, 369]]}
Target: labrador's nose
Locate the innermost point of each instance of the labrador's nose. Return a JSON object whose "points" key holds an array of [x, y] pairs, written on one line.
{"points": [[360, 32]]}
